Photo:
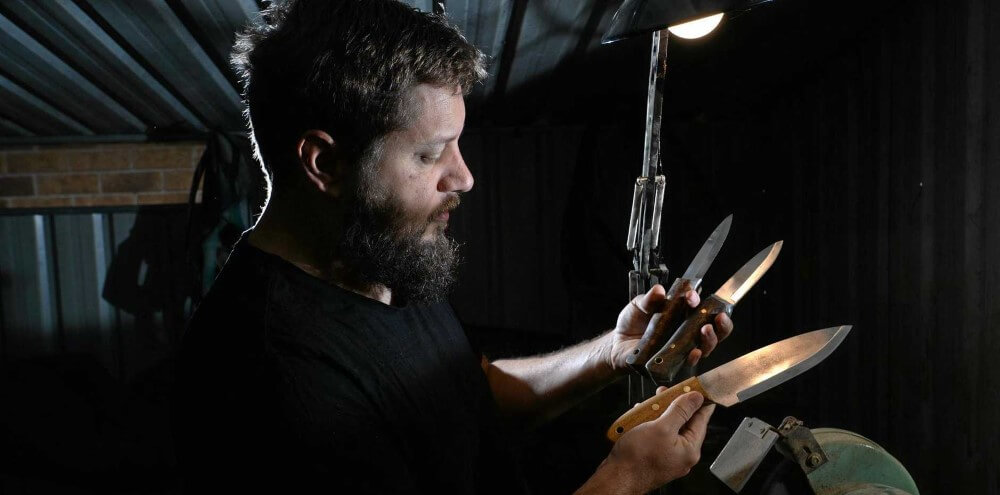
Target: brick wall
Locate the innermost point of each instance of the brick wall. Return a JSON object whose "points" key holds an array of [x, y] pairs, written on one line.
{"points": [[97, 175]]}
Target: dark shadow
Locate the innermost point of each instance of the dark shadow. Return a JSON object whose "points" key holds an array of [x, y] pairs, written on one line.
{"points": [[69, 427], [152, 272]]}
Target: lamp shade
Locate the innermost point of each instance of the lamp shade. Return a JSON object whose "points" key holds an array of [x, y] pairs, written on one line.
{"points": [[636, 17]]}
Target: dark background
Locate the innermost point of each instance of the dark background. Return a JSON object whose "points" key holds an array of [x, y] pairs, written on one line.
{"points": [[863, 134]]}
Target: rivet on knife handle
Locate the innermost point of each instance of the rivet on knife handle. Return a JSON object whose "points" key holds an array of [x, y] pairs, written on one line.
{"points": [[665, 364], [653, 407], [658, 326]]}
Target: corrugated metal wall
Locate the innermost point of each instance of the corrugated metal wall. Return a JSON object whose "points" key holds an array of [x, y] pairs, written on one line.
{"points": [[53, 272]]}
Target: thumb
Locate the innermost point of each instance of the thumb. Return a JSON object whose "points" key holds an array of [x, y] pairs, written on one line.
{"points": [[651, 302], [636, 315], [680, 411]]}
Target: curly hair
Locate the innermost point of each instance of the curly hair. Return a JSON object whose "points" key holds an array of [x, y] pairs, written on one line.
{"points": [[344, 67]]}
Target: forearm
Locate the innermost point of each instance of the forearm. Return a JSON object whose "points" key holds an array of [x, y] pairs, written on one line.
{"points": [[539, 388], [608, 480]]}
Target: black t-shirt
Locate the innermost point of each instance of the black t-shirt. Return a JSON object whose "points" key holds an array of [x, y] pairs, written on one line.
{"points": [[288, 382]]}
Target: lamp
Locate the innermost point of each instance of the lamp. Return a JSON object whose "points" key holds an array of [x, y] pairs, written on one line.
{"points": [[697, 28], [636, 17]]}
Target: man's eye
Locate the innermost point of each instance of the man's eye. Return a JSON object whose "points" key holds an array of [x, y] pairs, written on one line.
{"points": [[428, 159]]}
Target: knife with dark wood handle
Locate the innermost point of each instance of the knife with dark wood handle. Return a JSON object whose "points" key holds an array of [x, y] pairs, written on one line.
{"points": [[675, 351], [676, 306], [659, 325]]}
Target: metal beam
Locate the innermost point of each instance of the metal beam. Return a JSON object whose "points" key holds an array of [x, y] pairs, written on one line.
{"points": [[43, 106], [71, 139], [57, 32], [509, 48], [14, 127], [118, 24], [133, 64], [109, 138], [200, 56], [79, 80], [191, 25]]}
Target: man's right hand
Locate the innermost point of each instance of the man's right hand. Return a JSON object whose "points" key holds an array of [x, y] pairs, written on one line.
{"points": [[656, 452]]}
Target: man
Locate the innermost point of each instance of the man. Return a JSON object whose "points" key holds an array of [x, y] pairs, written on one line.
{"points": [[323, 356]]}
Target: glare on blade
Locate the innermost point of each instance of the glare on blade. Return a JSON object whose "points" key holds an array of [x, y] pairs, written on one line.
{"points": [[760, 370]]}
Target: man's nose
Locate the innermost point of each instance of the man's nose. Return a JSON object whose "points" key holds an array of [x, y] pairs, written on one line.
{"points": [[457, 178]]}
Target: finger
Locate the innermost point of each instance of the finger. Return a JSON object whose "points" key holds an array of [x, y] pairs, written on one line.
{"points": [[708, 340], [693, 357], [696, 427], [723, 326], [680, 411], [661, 389], [651, 302], [693, 299]]}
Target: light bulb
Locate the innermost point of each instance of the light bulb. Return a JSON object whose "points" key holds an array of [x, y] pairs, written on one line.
{"points": [[696, 28]]}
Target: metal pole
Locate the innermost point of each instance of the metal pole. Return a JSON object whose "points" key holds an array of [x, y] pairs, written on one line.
{"points": [[647, 201]]}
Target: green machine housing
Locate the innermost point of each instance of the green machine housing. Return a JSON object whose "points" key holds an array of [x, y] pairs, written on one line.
{"points": [[824, 461]]}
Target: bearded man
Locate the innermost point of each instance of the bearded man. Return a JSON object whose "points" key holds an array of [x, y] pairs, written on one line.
{"points": [[324, 356]]}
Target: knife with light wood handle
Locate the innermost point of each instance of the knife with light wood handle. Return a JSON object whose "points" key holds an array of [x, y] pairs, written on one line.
{"points": [[741, 378]]}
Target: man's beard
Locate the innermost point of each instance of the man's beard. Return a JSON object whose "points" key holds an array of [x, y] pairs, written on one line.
{"points": [[382, 246]]}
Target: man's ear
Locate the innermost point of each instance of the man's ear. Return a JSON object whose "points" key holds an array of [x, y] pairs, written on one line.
{"points": [[322, 162]]}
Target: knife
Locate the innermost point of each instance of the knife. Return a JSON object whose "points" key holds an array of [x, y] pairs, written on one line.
{"points": [[743, 377], [668, 361], [656, 331]]}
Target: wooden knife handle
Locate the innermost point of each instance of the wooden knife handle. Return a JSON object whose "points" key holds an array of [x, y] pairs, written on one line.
{"points": [[653, 407], [665, 364], [659, 325]]}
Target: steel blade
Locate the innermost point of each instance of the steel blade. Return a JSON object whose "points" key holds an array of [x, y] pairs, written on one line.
{"points": [[706, 255], [767, 367], [737, 286]]}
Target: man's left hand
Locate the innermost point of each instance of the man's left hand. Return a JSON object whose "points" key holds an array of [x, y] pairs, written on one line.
{"points": [[634, 318]]}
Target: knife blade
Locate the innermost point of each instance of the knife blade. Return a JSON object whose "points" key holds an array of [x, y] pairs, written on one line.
{"points": [[665, 364], [658, 325], [743, 377]]}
